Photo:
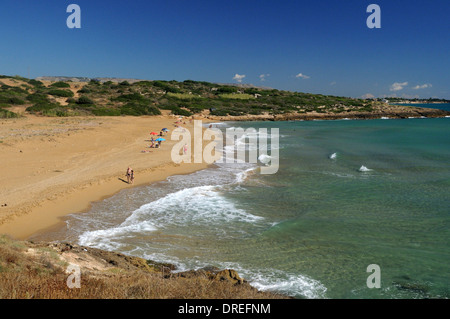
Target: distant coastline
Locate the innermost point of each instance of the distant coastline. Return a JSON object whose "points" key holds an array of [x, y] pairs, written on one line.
{"points": [[391, 112], [422, 102]]}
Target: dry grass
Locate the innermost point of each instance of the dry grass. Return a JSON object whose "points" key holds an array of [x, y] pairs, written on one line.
{"points": [[184, 96], [41, 275], [241, 96]]}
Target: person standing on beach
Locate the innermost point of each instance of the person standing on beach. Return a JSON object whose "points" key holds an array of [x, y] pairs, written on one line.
{"points": [[128, 174], [132, 176]]}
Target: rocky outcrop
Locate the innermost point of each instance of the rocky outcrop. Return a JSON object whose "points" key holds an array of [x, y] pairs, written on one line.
{"points": [[45, 270], [94, 260], [386, 111], [212, 273]]}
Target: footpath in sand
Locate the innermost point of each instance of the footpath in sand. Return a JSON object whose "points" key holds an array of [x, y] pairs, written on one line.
{"points": [[51, 167]]}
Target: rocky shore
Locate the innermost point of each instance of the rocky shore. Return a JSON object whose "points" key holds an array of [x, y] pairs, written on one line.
{"points": [[379, 111], [43, 270]]}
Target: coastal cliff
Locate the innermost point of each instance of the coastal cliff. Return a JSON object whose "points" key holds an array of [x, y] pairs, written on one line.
{"points": [[31, 270]]}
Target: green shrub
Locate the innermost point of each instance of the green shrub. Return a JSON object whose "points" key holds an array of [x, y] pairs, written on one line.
{"points": [[130, 97], [36, 83], [84, 100], [108, 84], [166, 87], [5, 114], [57, 111], [61, 93], [11, 99], [84, 90], [227, 89], [60, 84], [15, 90], [41, 107], [137, 109], [196, 108], [143, 83], [37, 97], [183, 112], [218, 112]]}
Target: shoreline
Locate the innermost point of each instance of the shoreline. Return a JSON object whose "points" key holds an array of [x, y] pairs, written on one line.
{"points": [[390, 111], [51, 202], [48, 216], [63, 205], [65, 165]]}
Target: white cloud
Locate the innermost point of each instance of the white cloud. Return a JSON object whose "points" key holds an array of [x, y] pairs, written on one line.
{"points": [[263, 77], [398, 86], [239, 77], [423, 86], [303, 76]]}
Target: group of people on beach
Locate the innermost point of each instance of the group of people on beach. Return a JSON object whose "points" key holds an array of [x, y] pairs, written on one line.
{"points": [[155, 143]]}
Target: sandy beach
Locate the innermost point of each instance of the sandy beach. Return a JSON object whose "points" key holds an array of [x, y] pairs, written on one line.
{"points": [[51, 167]]}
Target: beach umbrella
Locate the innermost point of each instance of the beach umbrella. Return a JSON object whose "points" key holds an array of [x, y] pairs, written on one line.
{"points": [[164, 129], [153, 133], [160, 139]]}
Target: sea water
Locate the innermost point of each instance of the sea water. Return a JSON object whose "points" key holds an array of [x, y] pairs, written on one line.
{"points": [[348, 194]]}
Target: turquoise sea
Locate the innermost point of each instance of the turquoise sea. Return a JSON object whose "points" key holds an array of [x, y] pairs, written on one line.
{"points": [[348, 194]]}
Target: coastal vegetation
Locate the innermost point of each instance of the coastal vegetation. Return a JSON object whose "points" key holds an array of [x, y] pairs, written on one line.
{"points": [[150, 97], [97, 97]]}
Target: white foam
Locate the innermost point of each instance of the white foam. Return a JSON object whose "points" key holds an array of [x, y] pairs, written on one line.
{"points": [[202, 205], [333, 156], [264, 158], [103, 238], [199, 205], [364, 169], [242, 176], [274, 280], [287, 283], [215, 123]]}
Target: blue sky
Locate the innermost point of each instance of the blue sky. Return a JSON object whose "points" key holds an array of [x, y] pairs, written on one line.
{"points": [[308, 46]]}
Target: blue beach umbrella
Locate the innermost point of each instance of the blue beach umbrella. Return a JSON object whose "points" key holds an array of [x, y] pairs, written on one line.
{"points": [[160, 139], [164, 129]]}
